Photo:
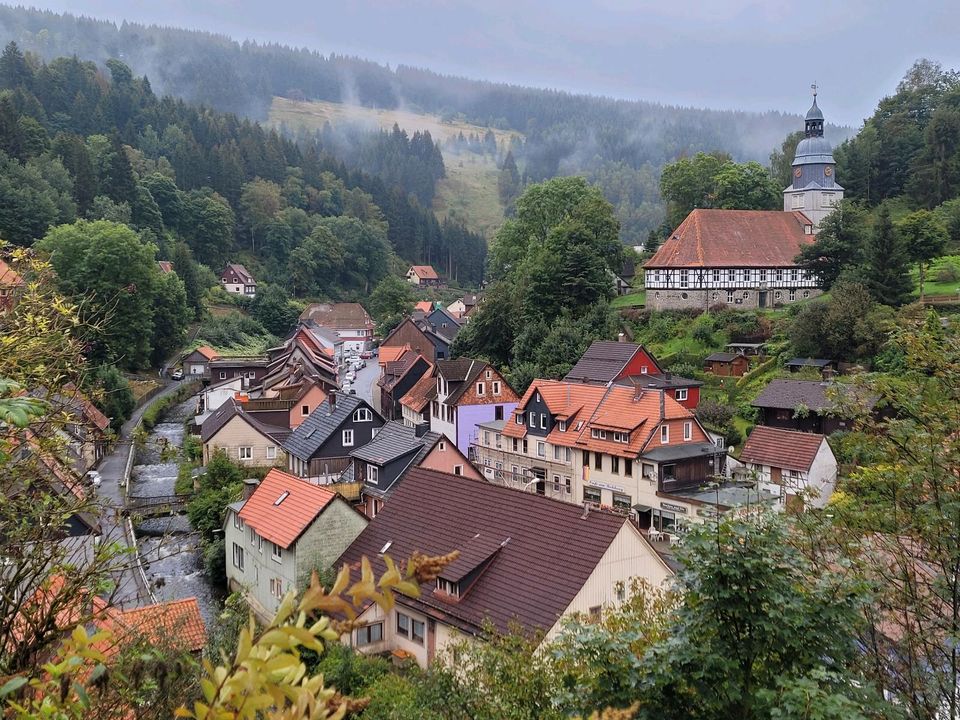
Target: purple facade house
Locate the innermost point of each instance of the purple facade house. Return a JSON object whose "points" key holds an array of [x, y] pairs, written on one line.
{"points": [[469, 392]]}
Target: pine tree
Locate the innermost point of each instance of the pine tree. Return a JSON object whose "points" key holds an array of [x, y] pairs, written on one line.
{"points": [[887, 272], [14, 70]]}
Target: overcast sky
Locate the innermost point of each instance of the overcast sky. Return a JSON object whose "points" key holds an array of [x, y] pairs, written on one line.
{"points": [[712, 53]]}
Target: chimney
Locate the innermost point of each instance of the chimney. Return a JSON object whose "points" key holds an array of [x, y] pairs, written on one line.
{"points": [[667, 375], [249, 487], [621, 338], [333, 400], [421, 429]]}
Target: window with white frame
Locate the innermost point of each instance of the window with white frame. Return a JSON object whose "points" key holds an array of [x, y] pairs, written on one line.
{"points": [[687, 430], [681, 394], [797, 201], [450, 588], [276, 588], [729, 296], [621, 437], [418, 632], [541, 449], [486, 438], [716, 275], [664, 434], [363, 415], [543, 421], [458, 469], [731, 275], [519, 418], [496, 387], [373, 474], [271, 452], [245, 453], [684, 278], [563, 425], [763, 275], [598, 434], [347, 438], [369, 634], [533, 419], [556, 452], [237, 522], [238, 557], [276, 552], [792, 295], [568, 454], [794, 275], [779, 275], [481, 389], [253, 536]]}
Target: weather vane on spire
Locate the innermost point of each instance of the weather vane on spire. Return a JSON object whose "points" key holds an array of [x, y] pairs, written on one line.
{"points": [[814, 88]]}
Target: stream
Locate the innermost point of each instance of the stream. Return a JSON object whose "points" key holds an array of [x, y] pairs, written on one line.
{"points": [[168, 545]]}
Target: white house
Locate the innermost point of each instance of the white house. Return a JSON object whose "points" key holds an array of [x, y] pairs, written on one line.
{"points": [[237, 280], [215, 395], [798, 467], [524, 559], [280, 533]]}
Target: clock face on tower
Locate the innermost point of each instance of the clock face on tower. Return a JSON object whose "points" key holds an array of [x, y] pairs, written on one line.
{"points": [[828, 171], [796, 173]]}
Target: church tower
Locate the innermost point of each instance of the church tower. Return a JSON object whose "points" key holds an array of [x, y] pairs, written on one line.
{"points": [[814, 190]]}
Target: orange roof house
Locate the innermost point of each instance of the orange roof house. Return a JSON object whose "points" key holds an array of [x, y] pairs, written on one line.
{"points": [[423, 275], [174, 622], [286, 527], [424, 306]]}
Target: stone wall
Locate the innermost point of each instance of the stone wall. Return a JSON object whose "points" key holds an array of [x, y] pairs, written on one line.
{"points": [[676, 299]]}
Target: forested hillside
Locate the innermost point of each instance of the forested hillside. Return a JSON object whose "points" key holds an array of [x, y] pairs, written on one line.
{"points": [[620, 145]]}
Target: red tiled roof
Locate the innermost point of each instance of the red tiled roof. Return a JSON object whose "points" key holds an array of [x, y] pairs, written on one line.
{"points": [[617, 408], [389, 353], [535, 553], [176, 621], [425, 272], [734, 238], [9, 276], [240, 271], [424, 306], [165, 266], [208, 352], [788, 449], [420, 395], [284, 522]]}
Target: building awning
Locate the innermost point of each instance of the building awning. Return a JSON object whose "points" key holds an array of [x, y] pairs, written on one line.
{"points": [[682, 452], [642, 508]]}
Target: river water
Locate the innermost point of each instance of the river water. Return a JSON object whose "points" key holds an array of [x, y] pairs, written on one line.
{"points": [[168, 545]]}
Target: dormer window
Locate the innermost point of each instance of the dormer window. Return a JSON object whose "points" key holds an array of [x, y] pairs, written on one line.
{"points": [[519, 418], [538, 397], [363, 415], [533, 420], [563, 425], [598, 434], [621, 437], [450, 588]]}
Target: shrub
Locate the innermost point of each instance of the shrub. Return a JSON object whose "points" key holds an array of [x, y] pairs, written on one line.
{"points": [[714, 413], [685, 369], [948, 273], [703, 334], [215, 561]]}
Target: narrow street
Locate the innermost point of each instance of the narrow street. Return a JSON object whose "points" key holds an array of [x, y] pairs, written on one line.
{"points": [[130, 590]]}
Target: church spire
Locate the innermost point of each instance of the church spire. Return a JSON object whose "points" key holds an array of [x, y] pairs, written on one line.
{"points": [[813, 124]]}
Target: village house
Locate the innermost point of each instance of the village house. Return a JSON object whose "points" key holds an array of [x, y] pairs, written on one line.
{"points": [[798, 468], [423, 276], [630, 364], [384, 461], [418, 335], [725, 364], [319, 449], [251, 370], [424, 306], [197, 362], [443, 322], [806, 405], [11, 284], [631, 449], [243, 437], [284, 529], [747, 258], [398, 377], [415, 405], [503, 576], [166, 267], [348, 321], [469, 392], [237, 280], [302, 357], [462, 308], [214, 395]]}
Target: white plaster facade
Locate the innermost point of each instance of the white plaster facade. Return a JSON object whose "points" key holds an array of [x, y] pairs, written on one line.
{"points": [[814, 485]]}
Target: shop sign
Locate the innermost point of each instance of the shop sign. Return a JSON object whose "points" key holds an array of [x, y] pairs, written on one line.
{"points": [[674, 508]]}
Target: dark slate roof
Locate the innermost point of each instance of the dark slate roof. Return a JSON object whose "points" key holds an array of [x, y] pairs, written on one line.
{"points": [[231, 409], [545, 549], [659, 381], [722, 357], [789, 394], [461, 370], [603, 361], [393, 440], [809, 362], [320, 425]]}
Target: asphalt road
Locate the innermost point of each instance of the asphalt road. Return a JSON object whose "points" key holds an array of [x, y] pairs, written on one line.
{"points": [[366, 381], [129, 591]]}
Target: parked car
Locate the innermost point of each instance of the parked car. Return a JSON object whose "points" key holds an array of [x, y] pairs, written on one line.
{"points": [[351, 376], [366, 354], [177, 374], [93, 477]]}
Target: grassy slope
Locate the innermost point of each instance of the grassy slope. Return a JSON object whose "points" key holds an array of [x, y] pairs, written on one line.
{"points": [[931, 286], [470, 189]]}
